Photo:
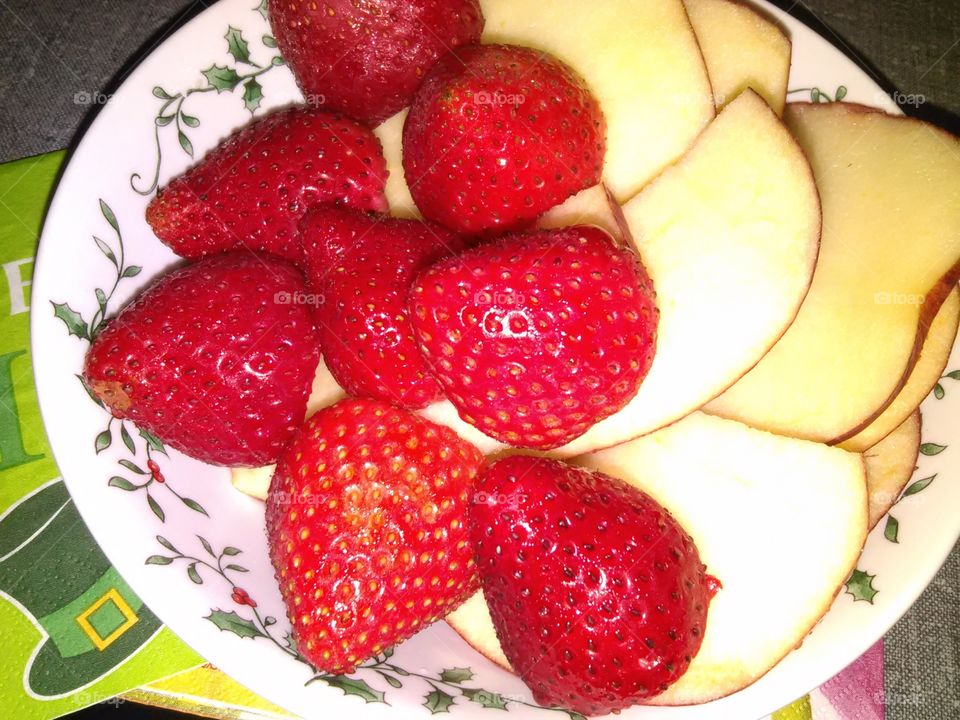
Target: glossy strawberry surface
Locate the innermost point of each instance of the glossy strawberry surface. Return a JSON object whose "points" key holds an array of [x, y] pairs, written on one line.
{"points": [[215, 358], [499, 134], [360, 266], [537, 336], [366, 57], [251, 191], [366, 523], [597, 594]]}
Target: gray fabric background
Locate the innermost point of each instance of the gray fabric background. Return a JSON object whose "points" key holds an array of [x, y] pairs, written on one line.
{"points": [[56, 53]]}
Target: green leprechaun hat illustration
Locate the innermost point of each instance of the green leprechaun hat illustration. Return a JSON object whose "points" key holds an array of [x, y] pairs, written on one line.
{"points": [[51, 567]]}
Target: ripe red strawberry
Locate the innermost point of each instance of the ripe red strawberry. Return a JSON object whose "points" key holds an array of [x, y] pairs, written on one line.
{"points": [[499, 134], [367, 59], [536, 337], [252, 190], [362, 266], [215, 358], [597, 594], [366, 523]]}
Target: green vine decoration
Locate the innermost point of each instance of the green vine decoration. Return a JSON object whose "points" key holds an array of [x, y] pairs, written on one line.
{"points": [[222, 565], [74, 321], [818, 96], [219, 78], [152, 477], [939, 391], [445, 687], [891, 528]]}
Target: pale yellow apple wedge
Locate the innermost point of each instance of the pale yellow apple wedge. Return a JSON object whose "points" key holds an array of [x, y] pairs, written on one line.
{"points": [[729, 236], [254, 482], [473, 623], [934, 356], [390, 134], [890, 464], [890, 188], [588, 207], [640, 59], [742, 49], [766, 512]]}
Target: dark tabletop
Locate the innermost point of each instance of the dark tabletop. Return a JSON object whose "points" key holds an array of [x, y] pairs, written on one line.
{"points": [[57, 54]]}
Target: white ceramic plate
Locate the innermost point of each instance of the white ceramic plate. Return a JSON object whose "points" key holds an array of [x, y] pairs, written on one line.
{"points": [[185, 545]]}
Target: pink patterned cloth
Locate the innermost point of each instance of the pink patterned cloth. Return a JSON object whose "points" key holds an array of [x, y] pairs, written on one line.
{"points": [[857, 692]]}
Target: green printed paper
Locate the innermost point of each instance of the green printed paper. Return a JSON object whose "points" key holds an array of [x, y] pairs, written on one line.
{"points": [[73, 632]]}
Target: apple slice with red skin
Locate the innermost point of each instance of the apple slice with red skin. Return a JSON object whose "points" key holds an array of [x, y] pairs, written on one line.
{"points": [[873, 297]]}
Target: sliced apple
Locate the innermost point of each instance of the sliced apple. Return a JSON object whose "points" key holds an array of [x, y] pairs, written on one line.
{"points": [[254, 482], [762, 510], [742, 49], [588, 207], [473, 623], [889, 257], [890, 464], [390, 134], [729, 236], [640, 59], [934, 356], [324, 391]]}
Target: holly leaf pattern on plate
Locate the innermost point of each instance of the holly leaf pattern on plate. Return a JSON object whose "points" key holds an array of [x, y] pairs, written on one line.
{"points": [[456, 675], [485, 698], [237, 45], [231, 622], [860, 585], [355, 686], [221, 78], [438, 701], [76, 325]]}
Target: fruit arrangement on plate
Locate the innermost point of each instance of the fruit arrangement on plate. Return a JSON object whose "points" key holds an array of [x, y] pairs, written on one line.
{"points": [[556, 332]]}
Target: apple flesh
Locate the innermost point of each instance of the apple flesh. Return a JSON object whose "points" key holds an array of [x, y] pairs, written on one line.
{"points": [[640, 59], [890, 465], [934, 356], [729, 236], [888, 259], [390, 134], [742, 49], [756, 505], [588, 207]]}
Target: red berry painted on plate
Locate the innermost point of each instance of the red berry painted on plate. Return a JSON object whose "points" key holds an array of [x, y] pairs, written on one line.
{"points": [[251, 191], [361, 266], [366, 523], [241, 597], [155, 472], [536, 337], [499, 134], [597, 594], [212, 360], [365, 58]]}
